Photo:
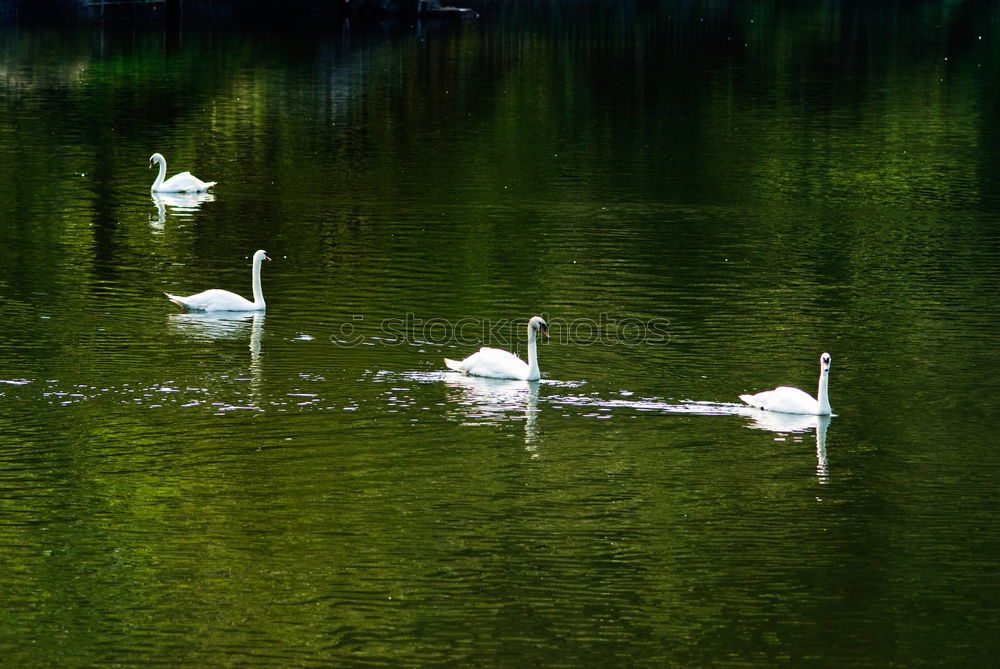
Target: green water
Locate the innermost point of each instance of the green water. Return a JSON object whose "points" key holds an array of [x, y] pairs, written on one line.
{"points": [[700, 198]]}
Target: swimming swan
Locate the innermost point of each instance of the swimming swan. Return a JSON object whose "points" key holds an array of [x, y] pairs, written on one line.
{"points": [[786, 399], [185, 182], [222, 300], [499, 364]]}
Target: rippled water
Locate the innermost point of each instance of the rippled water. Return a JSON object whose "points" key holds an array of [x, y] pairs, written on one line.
{"points": [[700, 200]]}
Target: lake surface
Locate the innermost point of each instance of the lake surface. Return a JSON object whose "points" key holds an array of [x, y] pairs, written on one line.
{"points": [[700, 198]]}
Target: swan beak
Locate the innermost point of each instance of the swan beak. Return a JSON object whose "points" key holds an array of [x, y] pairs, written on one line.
{"points": [[268, 258], [545, 331]]}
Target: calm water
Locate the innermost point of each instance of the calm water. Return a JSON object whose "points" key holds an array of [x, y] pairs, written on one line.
{"points": [[700, 198]]}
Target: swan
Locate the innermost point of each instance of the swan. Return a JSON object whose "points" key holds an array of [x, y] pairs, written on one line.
{"points": [[179, 183], [786, 399], [499, 364], [215, 299]]}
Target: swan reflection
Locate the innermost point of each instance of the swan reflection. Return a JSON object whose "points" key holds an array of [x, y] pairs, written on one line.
{"points": [[786, 422], [182, 204], [216, 324], [482, 398], [229, 325]]}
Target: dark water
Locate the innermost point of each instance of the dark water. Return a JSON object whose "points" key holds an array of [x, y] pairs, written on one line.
{"points": [[701, 198]]}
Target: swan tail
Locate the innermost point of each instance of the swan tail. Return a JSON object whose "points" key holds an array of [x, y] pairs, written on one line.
{"points": [[176, 300], [750, 399], [209, 184], [453, 364]]}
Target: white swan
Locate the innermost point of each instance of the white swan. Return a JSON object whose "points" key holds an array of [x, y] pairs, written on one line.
{"points": [[499, 364], [786, 399], [185, 182], [215, 299]]}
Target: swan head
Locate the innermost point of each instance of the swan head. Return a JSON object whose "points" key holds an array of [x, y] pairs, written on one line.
{"points": [[538, 323], [260, 255], [156, 158], [824, 363]]}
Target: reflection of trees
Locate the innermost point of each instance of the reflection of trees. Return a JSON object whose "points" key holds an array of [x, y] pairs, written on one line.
{"points": [[534, 139]]}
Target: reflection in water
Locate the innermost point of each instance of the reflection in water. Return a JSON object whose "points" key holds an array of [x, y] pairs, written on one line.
{"points": [[761, 420], [183, 204], [823, 422], [864, 182], [217, 324], [787, 422], [654, 404], [496, 399], [230, 325]]}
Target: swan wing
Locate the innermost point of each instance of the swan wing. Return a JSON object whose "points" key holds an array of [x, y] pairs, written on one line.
{"points": [[185, 182], [492, 362], [214, 300], [784, 399]]}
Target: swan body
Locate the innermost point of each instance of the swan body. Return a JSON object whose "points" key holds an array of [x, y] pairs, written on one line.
{"points": [[786, 399], [499, 364], [185, 182], [215, 299]]}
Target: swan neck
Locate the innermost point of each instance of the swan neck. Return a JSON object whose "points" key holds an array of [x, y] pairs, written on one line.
{"points": [[258, 294], [823, 395], [163, 172], [533, 372]]}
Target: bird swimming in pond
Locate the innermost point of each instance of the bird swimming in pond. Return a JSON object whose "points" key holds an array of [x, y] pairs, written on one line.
{"points": [[215, 299], [185, 182], [500, 364], [786, 399]]}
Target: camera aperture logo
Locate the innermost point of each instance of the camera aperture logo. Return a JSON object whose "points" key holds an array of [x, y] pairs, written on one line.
{"points": [[605, 330]]}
